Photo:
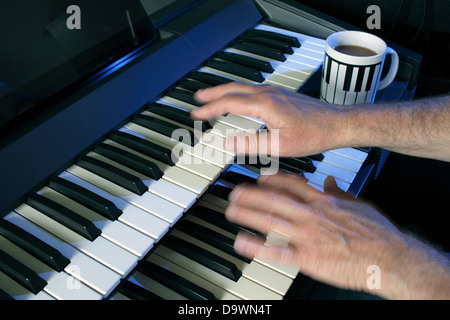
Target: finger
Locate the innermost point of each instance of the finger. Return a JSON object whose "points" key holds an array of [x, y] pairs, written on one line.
{"points": [[267, 201], [213, 93], [330, 186], [263, 222], [292, 184], [254, 247], [236, 103]]}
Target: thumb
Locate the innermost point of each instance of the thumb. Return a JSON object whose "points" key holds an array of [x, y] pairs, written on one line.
{"points": [[330, 186]]}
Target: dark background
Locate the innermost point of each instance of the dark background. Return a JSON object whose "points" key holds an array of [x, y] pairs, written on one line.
{"points": [[413, 192]]}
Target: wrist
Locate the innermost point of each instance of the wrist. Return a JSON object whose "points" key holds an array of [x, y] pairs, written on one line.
{"points": [[361, 122]]}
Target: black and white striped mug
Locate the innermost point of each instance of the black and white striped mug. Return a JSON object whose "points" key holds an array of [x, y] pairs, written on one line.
{"points": [[352, 67]]}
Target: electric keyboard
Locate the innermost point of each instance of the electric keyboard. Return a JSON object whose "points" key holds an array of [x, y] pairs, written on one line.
{"points": [[127, 220], [132, 174]]}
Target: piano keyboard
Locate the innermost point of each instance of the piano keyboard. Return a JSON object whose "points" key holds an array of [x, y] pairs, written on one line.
{"points": [[128, 221]]}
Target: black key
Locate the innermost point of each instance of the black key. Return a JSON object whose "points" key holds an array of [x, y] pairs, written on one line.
{"points": [[167, 129], [327, 76], [113, 174], [259, 50], [260, 162], [270, 43], [318, 157], [216, 218], [64, 216], [250, 62], [359, 79], [184, 96], [209, 78], [136, 292], [178, 115], [220, 191], [4, 296], [292, 41], [89, 199], [237, 70], [145, 147], [193, 85], [204, 257], [348, 78], [210, 237], [174, 282], [129, 160], [34, 246], [303, 164], [237, 178], [20, 273], [370, 78]]}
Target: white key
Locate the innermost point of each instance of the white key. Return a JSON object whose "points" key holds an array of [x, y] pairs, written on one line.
{"points": [[58, 283], [100, 249], [81, 267], [218, 292], [234, 121], [352, 153], [131, 215], [167, 190], [149, 202], [335, 171], [155, 287], [243, 288], [318, 179], [187, 162], [198, 166], [115, 231], [240, 123], [342, 161], [252, 271], [183, 178], [201, 150]]}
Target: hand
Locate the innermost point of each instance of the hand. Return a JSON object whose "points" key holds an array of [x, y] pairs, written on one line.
{"points": [[332, 237], [306, 125]]}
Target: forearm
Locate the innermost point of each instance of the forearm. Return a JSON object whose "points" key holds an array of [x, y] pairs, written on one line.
{"points": [[418, 128], [420, 272]]}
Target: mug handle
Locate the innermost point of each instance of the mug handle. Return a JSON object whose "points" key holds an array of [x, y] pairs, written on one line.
{"points": [[392, 70]]}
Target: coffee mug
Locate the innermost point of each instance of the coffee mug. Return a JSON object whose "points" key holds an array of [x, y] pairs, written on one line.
{"points": [[352, 67]]}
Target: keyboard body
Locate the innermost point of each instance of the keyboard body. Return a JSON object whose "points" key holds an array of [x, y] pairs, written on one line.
{"points": [[90, 207]]}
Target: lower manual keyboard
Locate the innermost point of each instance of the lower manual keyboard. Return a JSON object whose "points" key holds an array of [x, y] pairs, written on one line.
{"points": [[131, 200]]}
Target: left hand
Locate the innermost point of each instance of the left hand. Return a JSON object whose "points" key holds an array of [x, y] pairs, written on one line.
{"points": [[330, 236]]}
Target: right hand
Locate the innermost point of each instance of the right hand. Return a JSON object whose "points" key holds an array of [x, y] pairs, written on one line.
{"points": [[306, 126]]}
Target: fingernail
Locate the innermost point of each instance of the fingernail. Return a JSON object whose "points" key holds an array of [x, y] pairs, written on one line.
{"points": [[230, 211], [239, 244]]}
